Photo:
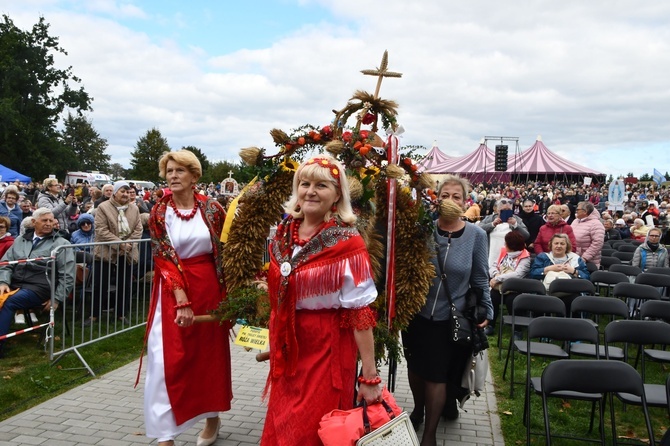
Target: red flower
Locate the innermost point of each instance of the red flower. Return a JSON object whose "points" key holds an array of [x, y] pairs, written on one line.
{"points": [[369, 118], [363, 134], [327, 131], [346, 137]]}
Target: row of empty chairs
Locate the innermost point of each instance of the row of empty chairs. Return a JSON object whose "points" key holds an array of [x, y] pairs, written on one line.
{"points": [[553, 336]]}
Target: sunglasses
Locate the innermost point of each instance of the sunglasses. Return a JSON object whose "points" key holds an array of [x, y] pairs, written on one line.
{"points": [[86, 223], [505, 201]]}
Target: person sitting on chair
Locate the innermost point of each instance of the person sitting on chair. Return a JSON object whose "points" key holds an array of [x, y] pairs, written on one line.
{"points": [[28, 281]]}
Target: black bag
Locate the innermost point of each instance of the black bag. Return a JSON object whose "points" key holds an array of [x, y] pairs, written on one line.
{"points": [[480, 341], [462, 325], [460, 331]]}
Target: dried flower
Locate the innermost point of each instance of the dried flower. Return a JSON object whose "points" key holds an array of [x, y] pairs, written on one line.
{"points": [[394, 171], [450, 210], [369, 118], [252, 156]]}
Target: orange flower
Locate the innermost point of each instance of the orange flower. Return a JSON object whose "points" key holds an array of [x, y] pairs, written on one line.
{"points": [[301, 141], [365, 149], [358, 145]]}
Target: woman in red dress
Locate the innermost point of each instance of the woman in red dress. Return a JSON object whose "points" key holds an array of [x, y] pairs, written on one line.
{"points": [[320, 285], [188, 371]]}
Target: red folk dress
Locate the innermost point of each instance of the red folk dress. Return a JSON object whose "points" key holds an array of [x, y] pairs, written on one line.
{"points": [[319, 294], [188, 369]]}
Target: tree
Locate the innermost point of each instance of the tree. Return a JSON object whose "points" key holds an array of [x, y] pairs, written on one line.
{"points": [[116, 170], [645, 177], [218, 171], [204, 162], [148, 150], [86, 144], [33, 96]]}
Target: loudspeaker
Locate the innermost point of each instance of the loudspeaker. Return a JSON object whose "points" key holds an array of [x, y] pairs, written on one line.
{"points": [[501, 158]]}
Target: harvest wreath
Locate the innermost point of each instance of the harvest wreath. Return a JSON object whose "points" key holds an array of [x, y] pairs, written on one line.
{"points": [[364, 154]]}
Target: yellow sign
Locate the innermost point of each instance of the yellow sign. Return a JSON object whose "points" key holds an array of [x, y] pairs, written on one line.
{"points": [[253, 337]]}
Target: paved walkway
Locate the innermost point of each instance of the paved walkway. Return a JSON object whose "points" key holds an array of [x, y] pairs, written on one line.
{"points": [[108, 412]]}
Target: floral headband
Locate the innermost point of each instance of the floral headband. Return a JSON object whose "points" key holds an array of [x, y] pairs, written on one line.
{"points": [[325, 163]]}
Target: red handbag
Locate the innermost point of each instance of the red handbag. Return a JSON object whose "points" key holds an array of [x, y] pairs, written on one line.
{"points": [[346, 427]]}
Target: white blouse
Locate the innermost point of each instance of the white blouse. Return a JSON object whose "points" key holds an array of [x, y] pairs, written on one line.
{"points": [[349, 296]]}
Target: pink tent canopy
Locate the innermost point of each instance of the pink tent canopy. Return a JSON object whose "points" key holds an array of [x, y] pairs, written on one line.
{"points": [[433, 158], [539, 160], [477, 166]]}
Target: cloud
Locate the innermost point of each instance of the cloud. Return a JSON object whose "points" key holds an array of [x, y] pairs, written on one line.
{"points": [[590, 77]]}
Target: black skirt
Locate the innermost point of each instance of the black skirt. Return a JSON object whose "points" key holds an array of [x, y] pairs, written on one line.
{"points": [[430, 355]]}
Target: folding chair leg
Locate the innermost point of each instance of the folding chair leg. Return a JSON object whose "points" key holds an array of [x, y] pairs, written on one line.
{"points": [[500, 334]]}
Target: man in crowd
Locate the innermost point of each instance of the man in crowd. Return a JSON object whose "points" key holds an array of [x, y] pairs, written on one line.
{"points": [[611, 233], [28, 281]]}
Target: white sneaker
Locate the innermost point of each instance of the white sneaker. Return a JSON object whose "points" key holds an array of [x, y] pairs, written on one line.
{"points": [[19, 318], [33, 318]]}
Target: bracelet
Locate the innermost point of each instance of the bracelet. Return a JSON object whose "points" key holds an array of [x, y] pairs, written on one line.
{"points": [[184, 305], [369, 382]]}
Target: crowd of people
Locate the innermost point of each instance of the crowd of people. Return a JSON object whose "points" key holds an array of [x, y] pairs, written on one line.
{"points": [[320, 281]]}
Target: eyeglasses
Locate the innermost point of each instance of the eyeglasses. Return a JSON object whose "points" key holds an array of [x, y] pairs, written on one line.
{"points": [[3, 227], [653, 236], [505, 201], [580, 209]]}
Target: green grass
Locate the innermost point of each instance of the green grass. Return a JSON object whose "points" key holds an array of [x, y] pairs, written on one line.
{"points": [[567, 417], [28, 378]]}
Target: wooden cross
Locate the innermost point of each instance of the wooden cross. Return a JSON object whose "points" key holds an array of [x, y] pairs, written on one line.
{"points": [[381, 72]]}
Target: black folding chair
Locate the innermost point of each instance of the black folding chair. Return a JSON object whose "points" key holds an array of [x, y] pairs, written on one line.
{"points": [[658, 270], [656, 280], [634, 294], [641, 334], [607, 261], [598, 377], [514, 286], [656, 310], [607, 279], [607, 251], [625, 257], [616, 243], [547, 331], [568, 289], [599, 311], [627, 248], [629, 270], [535, 306], [591, 267]]}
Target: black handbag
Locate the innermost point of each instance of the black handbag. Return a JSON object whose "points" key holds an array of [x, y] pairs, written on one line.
{"points": [[460, 325]]}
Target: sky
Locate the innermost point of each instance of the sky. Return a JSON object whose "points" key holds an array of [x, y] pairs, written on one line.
{"points": [[590, 77]]}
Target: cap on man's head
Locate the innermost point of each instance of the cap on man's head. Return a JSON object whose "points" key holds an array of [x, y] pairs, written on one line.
{"points": [[620, 222], [653, 203], [118, 185]]}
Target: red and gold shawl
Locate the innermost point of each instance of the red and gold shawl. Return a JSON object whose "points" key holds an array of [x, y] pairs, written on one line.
{"points": [[167, 264], [318, 269]]}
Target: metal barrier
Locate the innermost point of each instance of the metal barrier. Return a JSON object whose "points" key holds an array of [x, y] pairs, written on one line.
{"points": [[109, 297]]}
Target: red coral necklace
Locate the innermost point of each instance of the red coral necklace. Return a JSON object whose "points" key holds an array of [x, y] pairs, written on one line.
{"points": [[295, 228], [182, 216]]}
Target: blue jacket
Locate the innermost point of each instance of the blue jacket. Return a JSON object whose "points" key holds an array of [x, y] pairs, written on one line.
{"points": [[15, 217], [542, 261], [80, 236]]}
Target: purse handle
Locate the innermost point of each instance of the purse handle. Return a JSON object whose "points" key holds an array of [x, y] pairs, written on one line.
{"points": [[366, 419]]}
